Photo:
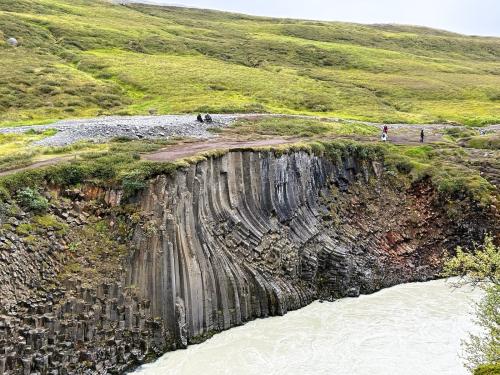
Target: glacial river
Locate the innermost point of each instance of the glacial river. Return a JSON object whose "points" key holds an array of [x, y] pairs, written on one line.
{"points": [[412, 329]]}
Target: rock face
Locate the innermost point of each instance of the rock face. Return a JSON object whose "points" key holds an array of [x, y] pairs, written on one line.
{"points": [[236, 238], [251, 235], [230, 239]]}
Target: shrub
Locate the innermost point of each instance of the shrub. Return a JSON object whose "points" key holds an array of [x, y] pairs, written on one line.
{"points": [[46, 89], [24, 229], [493, 369], [456, 133], [480, 266], [404, 166], [67, 174], [132, 184], [32, 200]]}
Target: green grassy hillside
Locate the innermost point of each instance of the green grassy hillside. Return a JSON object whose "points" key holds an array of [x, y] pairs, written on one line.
{"points": [[89, 57]]}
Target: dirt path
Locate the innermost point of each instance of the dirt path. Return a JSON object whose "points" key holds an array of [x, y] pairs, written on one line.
{"points": [[38, 164], [190, 149]]}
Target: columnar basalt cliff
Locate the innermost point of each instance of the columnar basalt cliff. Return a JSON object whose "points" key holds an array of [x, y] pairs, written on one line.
{"points": [[213, 245], [252, 234], [236, 238]]}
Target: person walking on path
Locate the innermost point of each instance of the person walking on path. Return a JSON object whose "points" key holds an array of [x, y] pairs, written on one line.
{"points": [[422, 135], [384, 133]]}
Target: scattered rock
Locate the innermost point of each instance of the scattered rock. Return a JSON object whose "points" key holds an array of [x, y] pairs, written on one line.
{"points": [[12, 42]]}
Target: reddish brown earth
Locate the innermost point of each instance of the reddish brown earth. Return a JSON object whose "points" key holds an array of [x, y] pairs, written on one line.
{"points": [[190, 149]]}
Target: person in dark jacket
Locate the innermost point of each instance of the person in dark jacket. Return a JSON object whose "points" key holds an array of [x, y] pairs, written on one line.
{"points": [[422, 135], [208, 118], [199, 118]]}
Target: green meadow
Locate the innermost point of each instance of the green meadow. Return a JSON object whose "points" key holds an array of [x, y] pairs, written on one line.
{"points": [[83, 58]]}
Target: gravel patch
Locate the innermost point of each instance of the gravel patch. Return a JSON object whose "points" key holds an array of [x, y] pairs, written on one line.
{"points": [[102, 129]]}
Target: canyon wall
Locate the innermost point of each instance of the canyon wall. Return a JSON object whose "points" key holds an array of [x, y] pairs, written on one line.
{"points": [[251, 234], [211, 246]]}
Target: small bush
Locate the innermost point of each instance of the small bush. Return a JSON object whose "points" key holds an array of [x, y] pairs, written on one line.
{"points": [[24, 229], [404, 166], [32, 200], [67, 174], [132, 184], [46, 89], [49, 222], [493, 369]]}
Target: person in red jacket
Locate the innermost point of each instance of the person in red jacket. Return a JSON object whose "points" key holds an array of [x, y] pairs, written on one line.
{"points": [[384, 133]]}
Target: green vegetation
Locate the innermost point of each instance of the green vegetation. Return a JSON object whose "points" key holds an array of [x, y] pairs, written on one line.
{"points": [[120, 166], [457, 133], [48, 221], [16, 150], [481, 266], [96, 250], [116, 163], [491, 142], [31, 199], [89, 57], [471, 138], [299, 127], [493, 369], [445, 167], [24, 229]]}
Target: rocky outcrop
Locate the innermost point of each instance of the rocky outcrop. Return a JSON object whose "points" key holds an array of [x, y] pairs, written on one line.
{"points": [[252, 234], [216, 244], [235, 238]]}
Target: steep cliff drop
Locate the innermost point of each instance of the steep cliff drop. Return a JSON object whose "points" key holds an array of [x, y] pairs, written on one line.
{"points": [[231, 238]]}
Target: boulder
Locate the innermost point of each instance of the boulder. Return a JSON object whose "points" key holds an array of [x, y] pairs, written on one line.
{"points": [[12, 42]]}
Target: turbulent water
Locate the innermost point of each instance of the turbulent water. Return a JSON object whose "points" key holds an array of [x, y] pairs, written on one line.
{"points": [[411, 329]]}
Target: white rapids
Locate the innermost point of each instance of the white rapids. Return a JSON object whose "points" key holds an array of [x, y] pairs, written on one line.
{"points": [[412, 329]]}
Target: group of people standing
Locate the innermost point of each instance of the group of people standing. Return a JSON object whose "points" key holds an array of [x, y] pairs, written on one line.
{"points": [[208, 118], [385, 132]]}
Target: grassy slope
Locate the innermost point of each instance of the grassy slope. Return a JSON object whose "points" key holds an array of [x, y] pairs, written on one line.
{"points": [[89, 57]]}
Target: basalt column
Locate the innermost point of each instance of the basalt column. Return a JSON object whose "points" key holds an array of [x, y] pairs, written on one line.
{"points": [[235, 238]]}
